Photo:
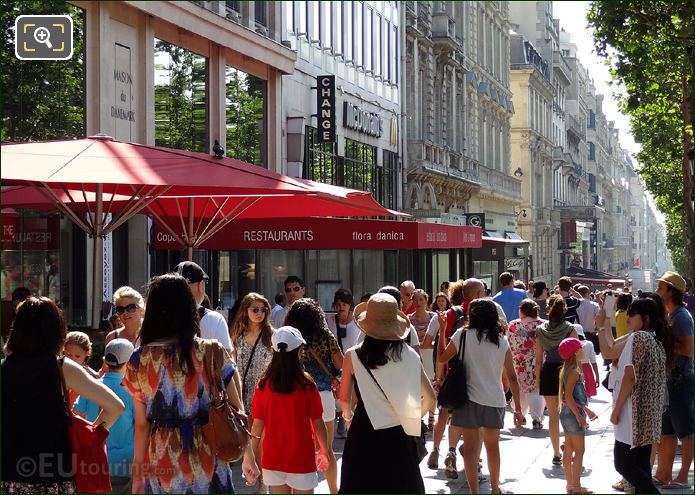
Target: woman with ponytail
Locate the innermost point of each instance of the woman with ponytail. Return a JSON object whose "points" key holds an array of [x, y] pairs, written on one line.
{"points": [[548, 363]]}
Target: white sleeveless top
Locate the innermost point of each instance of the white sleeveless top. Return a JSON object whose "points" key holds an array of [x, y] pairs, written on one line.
{"points": [[400, 381]]}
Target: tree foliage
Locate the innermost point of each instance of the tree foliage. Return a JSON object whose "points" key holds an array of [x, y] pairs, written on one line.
{"points": [[650, 48], [42, 99]]}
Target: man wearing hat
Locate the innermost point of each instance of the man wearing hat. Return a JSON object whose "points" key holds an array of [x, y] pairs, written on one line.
{"points": [[119, 444], [678, 420], [212, 324]]}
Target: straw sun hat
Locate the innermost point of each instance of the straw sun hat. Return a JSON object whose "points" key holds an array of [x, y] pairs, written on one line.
{"points": [[381, 319]]}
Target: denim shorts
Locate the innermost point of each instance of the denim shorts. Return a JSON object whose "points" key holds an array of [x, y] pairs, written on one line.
{"points": [[678, 418], [569, 421]]}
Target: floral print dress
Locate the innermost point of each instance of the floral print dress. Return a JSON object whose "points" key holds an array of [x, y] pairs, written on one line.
{"points": [[522, 342], [259, 363], [178, 457]]}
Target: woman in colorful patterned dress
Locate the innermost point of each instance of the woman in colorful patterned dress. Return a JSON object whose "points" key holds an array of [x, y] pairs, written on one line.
{"points": [[522, 341], [171, 396]]}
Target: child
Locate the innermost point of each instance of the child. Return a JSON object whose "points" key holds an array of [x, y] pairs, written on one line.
{"points": [[573, 412], [119, 443], [285, 405], [78, 348]]}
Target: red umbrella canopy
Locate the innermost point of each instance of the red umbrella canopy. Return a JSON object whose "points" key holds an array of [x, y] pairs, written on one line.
{"points": [[83, 163]]}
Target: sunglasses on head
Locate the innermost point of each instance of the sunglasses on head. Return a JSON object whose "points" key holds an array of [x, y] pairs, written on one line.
{"points": [[259, 310], [295, 289], [126, 309]]}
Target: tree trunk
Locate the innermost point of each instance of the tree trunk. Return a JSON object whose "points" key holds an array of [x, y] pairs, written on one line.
{"points": [[687, 109]]}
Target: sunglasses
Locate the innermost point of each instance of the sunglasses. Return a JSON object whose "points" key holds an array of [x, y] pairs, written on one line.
{"points": [[295, 289], [408, 294], [258, 310], [126, 309]]}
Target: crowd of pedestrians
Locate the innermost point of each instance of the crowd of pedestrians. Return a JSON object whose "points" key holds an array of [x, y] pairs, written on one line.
{"points": [[381, 372]]}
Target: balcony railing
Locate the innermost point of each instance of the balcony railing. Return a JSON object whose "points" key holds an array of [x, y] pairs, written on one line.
{"points": [[575, 126], [499, 181], [442, 160]]}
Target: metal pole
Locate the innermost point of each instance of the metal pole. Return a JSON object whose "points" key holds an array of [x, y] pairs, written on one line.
{"points": [[189, 236], [98, 259]]}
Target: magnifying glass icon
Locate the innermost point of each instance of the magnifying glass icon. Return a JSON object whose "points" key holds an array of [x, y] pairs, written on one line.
{"points": [[43, 35]]}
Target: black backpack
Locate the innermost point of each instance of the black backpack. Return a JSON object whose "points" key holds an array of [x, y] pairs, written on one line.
{"points": [[460, 321]]}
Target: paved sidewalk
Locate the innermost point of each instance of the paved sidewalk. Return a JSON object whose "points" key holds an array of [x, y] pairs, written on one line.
{"points": [[526, 460]]}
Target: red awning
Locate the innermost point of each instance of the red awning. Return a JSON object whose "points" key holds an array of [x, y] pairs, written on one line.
{"points": [[332, 233]]}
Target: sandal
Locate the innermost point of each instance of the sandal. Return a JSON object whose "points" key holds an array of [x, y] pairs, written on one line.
{"points": [[430, 422], [557, 460], [619, 486]]}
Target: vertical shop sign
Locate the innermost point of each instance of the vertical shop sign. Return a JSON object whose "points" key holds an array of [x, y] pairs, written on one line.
{"points": [[325, 108], [108, 265]]}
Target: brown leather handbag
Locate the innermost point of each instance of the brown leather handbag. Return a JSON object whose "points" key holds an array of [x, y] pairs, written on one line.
{"points": [[227, 429]]}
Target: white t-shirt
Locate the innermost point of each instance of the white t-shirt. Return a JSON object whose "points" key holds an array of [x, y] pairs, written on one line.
{"points": [[484, 363], [609, 306], [587, 313], [277, 316], [352, 332], [214, 326], [623, 430], [433, 327], [589, 354]]}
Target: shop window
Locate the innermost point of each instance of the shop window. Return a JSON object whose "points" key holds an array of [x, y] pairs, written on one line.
{"points": [[326, 271], [31, 255], [320, 160], [487, 271], [361, 170], [390, 170], [246, 117], [369, 271], [32, 88], [277, 266], [180, 98], [236, 277]]}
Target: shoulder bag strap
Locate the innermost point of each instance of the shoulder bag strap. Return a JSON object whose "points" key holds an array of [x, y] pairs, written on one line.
{"points": [[462, 345], [248, 365], [373, 377], [63, 385]]}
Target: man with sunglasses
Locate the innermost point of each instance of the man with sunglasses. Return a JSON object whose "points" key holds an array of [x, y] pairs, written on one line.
{"points": [[407, 289], [212, 323], [294, 289]]}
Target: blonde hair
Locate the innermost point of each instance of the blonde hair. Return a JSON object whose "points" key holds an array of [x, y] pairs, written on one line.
{"points": [[127, 291], [242, 323], [81, 340], [570, 364]]}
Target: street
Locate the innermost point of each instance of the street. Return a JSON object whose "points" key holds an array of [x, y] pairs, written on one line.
{"points": [[526, 460]]}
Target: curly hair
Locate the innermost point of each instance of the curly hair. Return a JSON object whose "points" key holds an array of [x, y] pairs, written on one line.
{"points": [[557, 307], [307, 316], [242, 323], [483, 317], [456, 292]]}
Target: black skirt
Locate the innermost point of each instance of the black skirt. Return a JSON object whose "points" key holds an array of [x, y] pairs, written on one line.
{"points": [[550, 379], [378, 461]]}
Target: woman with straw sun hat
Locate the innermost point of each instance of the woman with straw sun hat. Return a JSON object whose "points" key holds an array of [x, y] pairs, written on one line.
{"points": [[387, 377]]}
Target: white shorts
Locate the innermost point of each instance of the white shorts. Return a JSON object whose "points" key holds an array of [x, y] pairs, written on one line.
{"points": [[328, 403], [303, 481]]}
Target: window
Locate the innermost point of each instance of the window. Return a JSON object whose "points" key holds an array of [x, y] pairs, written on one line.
{"points": [[260, 13], [396, 62], [592, 151], [245, 104], [326, 25], [348, 33], [361, 170], [387, 52], [337, 10], [358, 41], [390, 190], [378, 36], [367, 42], [591, 121], [315, 34], [320, 160], [180, 98]]}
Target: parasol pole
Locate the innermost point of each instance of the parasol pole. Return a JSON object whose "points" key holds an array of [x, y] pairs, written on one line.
{"points": [[98, 258], [189, 235]]}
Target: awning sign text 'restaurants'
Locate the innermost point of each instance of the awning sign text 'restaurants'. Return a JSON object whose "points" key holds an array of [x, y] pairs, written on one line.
{"points": [[325, 108], [332, 233], [362, 121]]}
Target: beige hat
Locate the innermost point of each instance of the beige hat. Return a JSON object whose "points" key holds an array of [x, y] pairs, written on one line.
{"points": [[674, 280], [381, 319]]}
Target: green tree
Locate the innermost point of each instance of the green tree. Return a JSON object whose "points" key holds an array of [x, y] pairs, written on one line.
{"points": [[180, 98], [245, 116], [42, 99], [649, 45]]}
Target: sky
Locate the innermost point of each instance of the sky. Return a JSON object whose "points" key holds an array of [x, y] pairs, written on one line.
{"points": [[572, 17]]}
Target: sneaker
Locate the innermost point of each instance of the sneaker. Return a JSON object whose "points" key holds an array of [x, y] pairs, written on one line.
{"points": [[537, 425], [433, 459], [450, 470]]}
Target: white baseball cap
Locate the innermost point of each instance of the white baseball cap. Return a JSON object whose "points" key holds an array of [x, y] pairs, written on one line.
{"points": [[579, 329], [118, 352], [290, 336]]}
